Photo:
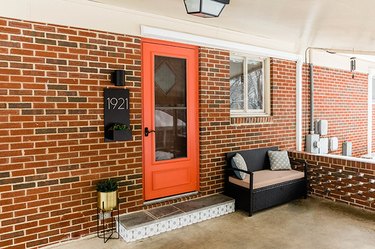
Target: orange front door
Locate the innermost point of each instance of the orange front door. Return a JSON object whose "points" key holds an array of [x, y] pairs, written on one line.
{"points": [[170, 118]]}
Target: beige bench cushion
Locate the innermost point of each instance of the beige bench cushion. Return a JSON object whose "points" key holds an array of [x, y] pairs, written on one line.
{"points": [[264, 178]]}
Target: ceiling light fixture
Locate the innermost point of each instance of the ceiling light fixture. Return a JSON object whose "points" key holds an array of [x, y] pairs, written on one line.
{"points": [[205, 8]]}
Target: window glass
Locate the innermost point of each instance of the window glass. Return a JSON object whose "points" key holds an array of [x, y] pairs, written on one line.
{"points": [[170, 108], [249, 88], [255, 85], [236, 84]]}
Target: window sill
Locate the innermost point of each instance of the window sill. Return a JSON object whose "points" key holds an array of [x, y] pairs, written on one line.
{"points": [[250, 120], [249, 115]]}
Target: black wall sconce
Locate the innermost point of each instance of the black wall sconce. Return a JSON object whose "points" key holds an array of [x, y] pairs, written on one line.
{"points": [[118, 77], [205, 8]]}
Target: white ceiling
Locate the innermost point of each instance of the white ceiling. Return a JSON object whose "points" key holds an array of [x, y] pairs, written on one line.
{"points": [[340, 24]]}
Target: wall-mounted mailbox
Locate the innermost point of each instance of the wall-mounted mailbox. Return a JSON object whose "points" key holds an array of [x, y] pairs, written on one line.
{"points": [[116, 115]]}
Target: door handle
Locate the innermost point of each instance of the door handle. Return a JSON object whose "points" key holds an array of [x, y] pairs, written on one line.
{"points": [[147, 131]]}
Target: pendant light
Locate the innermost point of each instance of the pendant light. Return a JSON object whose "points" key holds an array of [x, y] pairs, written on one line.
{"points": [[205, 8]]}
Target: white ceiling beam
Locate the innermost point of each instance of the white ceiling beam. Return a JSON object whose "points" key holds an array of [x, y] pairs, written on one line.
{"points": [[164, 34]]}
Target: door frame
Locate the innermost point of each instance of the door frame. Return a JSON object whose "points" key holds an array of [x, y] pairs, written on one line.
{"points": [[196, 111]]}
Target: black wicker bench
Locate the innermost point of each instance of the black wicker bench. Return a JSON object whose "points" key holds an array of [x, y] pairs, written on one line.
{"points": [[263, 188]]}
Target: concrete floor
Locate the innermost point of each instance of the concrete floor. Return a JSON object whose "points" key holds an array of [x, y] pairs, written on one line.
{"points": [[302, 224]]}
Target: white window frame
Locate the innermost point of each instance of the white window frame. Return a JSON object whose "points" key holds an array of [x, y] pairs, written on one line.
{"points": [[265, 111]]}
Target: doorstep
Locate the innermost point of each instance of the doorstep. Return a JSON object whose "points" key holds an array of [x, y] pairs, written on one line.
{"points": [[147, 223]]}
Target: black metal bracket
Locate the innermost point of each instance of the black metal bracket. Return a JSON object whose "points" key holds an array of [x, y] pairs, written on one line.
{"points": [[106, 230]]}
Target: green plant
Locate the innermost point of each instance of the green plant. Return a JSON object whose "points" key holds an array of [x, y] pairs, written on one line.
{"points": [[108, 185], [120, 127]]}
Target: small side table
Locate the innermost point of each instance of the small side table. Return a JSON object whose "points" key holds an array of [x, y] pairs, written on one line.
{"points": [[106, 225]]}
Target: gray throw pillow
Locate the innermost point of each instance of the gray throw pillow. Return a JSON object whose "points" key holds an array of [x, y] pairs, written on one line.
{"points": [[279, 160], [239, 163]]}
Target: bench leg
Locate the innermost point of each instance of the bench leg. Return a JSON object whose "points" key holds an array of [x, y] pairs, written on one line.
{"points": [[251, 188], [250, 212], [251, 203]]}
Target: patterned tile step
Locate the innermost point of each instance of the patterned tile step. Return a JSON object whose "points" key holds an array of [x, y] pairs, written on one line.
{"points": [[147, 223]]}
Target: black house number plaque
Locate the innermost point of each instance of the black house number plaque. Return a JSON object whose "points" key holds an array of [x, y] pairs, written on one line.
{"points": [[116, 112]]}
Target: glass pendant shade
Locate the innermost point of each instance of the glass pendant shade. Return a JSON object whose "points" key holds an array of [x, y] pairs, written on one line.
{"points": [[205, 8]]}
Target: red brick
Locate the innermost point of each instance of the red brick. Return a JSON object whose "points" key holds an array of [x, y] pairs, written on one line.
{"points": [[25, 239], [9, 30], [24, 225], [7, 243], [11, 235], [38, 243], [14, 207]]}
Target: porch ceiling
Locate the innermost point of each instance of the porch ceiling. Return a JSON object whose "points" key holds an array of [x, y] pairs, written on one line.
{"points": [[344, 24]]}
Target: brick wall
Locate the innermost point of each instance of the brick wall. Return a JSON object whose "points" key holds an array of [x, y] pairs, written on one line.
{"points": [[219, 133], [52, 147], [346, 181], [342, 101]]}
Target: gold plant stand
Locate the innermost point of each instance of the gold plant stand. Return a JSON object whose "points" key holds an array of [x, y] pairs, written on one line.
{"points": [[106, 224]]}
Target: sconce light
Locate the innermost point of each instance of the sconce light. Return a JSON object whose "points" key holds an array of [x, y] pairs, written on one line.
{"points": [[353, 65], [205, 8], [118, 77]]}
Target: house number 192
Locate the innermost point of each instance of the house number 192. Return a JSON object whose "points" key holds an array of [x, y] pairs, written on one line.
{"points": [[117, 103]]}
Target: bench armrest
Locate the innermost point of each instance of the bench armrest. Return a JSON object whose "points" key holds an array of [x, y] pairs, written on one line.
{"points": [[251, 182], [299, 164], [240, 170]]}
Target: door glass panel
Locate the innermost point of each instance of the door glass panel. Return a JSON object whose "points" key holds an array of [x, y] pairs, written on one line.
{"points": [[170, 108]]}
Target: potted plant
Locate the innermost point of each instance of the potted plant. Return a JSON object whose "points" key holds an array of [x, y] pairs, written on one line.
{"points": [[107, 194], [120, 132]]}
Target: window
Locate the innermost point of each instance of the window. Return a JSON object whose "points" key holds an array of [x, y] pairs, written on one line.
{"points": [[249, 86], [373, 89]]}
